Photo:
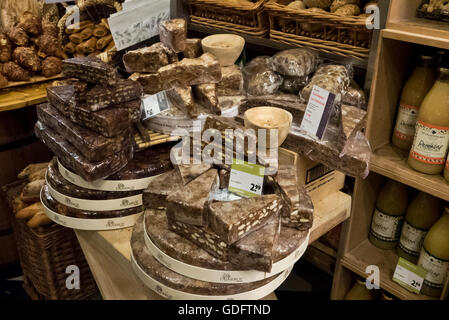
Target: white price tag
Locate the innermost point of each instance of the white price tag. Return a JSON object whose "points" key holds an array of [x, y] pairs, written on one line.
{"points": [[318, 112], [409, 275], [154, 104], [246, 178]]}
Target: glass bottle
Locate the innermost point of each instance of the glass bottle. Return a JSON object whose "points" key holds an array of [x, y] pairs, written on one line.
{"points": [[359, 291], [422, 213], [391, 204], [413, 93], [446, 170], [431, 141], [434, 256]]}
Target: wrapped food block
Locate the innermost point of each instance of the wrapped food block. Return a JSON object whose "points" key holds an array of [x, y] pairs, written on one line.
{"points": [[51, 66], [332, 77], [206, 94], [149, 59], [189, 172], [255, 251], [90, 69], [233, 220], [150, 82], [134, 108], [100, 97], [193, 48], [72, 158], [79, 87], [173, 34], [91, 145], [259, 79], [182, 98], [155, 195], [14, 72], [294, 62], [293, 84], [203, 237], [187, 72], [231, 83], [188, 204], [297, 210]]}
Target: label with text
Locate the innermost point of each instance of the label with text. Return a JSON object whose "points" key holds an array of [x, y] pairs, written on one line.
{"points": [[436, 269], [411, 239], [430, 144], [154, 104], [409, 275], [406, 121], [386, 227], [246, 178]]}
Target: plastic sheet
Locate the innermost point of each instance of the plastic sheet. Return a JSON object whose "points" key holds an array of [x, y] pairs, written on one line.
{"points": [[293, 84], [294, 62], [259, 78], [355, 96]]}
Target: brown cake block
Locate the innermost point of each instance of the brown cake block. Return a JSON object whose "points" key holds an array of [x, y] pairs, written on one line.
{"points": [[255, 251], [189, 172], [173, 34], [150, 82], [206, 94], [182, 98], [149, 59], [155, 195], [231, 83], [90, 69], [188, 72], [297, 211], [233, 220], [193, 48], [189, 204], [100, 97], [225, 175]]}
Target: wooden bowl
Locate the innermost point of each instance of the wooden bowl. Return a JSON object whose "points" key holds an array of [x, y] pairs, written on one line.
{"points": [[269, 118], [226, 47]]}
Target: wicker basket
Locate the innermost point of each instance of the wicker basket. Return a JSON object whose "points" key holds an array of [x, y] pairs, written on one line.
{"points": [[324, 31], [245, 17], [45, 253]]}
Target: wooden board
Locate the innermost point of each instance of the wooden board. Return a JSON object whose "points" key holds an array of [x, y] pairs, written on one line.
{"points": [[15, 98], [108, 252], [321, 256], [33, 80]]}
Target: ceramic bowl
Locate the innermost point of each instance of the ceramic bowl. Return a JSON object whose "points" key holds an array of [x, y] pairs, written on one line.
{"points": [[269, 118], [226, 47]]}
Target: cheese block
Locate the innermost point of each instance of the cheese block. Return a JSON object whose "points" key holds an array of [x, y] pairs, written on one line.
{"points": [[155, 195], [188, 204], [233, 220]]}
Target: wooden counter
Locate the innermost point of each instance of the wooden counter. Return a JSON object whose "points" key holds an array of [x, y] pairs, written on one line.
{"points": [[108, 252]]}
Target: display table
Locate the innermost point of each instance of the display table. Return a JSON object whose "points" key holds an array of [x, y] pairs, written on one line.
{"points": [[108, 252]]}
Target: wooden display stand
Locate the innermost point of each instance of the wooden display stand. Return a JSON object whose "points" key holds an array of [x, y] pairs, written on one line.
{"points": [[397, 47]]}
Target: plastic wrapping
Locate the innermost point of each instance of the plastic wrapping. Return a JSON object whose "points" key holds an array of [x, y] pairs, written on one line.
{"points": [[155, 195], [148, 59], [72, 159], [355, 96], [332, 77], [60, 184], [259, 78], [294, 62], [134, 108], [206, 95], [64, 210], [90, 69], [91, 145], [100, 97], [173, 34], [231, 83], [293, 84]]}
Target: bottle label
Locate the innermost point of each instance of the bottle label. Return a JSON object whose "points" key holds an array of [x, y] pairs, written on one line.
{"points": [[447, 164], [411, 239], [430, 143], [436, 269], [406, 121], [386, 227]]}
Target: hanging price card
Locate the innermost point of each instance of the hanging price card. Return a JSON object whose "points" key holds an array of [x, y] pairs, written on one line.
{"points": [[154, 104], [246, 178], [409, 275]]}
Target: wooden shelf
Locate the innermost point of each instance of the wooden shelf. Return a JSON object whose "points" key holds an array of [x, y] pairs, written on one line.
{"points": [[366, 254], [391, 162], [20, 97]]}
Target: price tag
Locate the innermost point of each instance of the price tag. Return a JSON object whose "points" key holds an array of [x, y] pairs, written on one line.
{"points": [[318, 111], [154, 104], [246, 178], [409, 275]]}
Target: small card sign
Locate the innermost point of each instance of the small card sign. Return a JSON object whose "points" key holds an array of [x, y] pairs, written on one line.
{"points": [[318, 112], [246, 178], [154, 104], [409, 275]]}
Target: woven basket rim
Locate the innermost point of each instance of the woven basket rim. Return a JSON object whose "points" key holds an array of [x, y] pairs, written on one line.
{"points": [[259, 5]]}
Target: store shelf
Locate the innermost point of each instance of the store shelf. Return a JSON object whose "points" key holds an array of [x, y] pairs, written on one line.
{"points": [[321, 256], [365, 255], [391, 162], [19, 97]]}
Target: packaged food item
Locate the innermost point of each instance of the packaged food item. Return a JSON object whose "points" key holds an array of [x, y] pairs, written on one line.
{"points": [[206, 94], [421, 214], [173, 34], [182, 98], [259, 78], [431, 141], [434, 256], [354, 96], [150, 82], [100, 97], [388, 216], [193, 48], [413, 94], [90, 69], [294, 62], [155, 195], [293, 84], [189, 172], [148, 59], [231, 83]]}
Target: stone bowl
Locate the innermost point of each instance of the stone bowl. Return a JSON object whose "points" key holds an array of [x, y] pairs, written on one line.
{"points": [[269, 118], [225, 47]]}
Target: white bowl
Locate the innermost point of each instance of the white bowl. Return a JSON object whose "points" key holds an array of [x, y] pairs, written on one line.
{"points": [[225, 47]]}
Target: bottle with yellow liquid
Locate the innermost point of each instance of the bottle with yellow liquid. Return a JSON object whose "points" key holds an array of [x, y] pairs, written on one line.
{"points": [[446, 170], [413, 93], [391, 205], [422, 213], [431, 141], [359, 291], [434, 257]]}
